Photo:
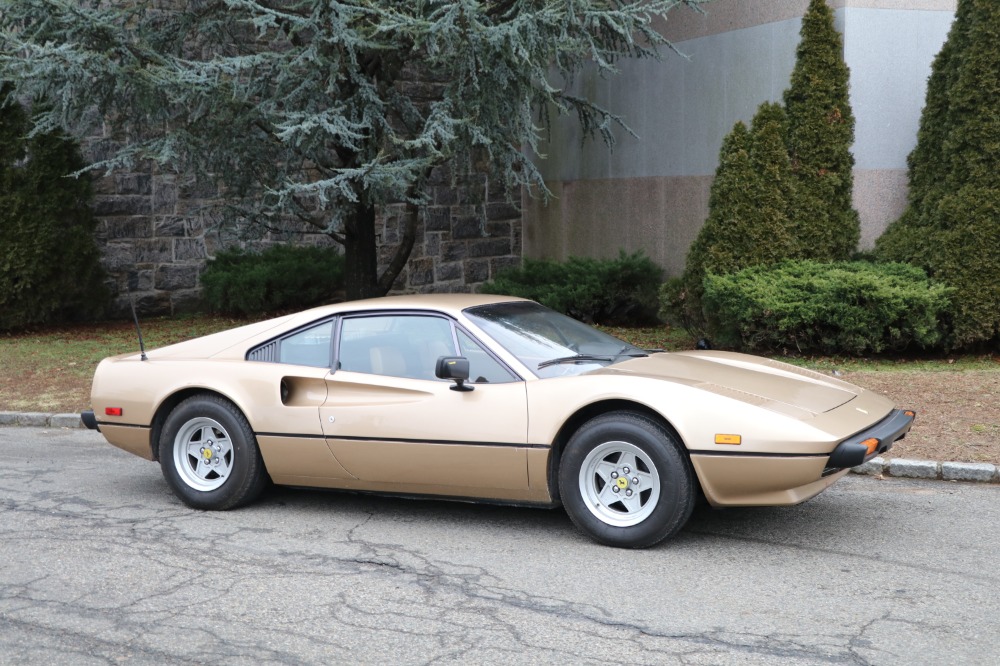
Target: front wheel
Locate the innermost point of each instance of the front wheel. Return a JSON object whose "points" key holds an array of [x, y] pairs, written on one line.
{"points": [[625, 481], [209, 455]]}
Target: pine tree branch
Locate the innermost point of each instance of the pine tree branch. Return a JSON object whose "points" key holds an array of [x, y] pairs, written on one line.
{"points": [[318, 220]]}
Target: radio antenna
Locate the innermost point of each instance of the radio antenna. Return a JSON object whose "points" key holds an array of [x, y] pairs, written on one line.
{"points": [[135, 318]]}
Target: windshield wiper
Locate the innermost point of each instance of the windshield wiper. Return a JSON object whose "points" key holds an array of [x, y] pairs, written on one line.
{"points": [[578, 358], [591, 358], [636, 353]]}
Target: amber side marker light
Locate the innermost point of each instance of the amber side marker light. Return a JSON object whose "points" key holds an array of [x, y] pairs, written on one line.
{"points": [[113, 411], [729, 439], [871, 443], [910, 413]]}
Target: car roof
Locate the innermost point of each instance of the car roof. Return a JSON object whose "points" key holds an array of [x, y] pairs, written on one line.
{"points": [[233, 342], [451, 304]]}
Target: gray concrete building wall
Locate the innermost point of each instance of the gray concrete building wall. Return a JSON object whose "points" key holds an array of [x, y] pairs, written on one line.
{"points": [[889, 52], [651, 191]]}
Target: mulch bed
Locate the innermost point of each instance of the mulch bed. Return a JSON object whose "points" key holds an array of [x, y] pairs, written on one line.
{"points": [[958, 413]]}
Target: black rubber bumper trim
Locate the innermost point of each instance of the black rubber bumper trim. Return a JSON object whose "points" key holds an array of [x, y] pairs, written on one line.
{"points": [[90, 420], [851, 452]]}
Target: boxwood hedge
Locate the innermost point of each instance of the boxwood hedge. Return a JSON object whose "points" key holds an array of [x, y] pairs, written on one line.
{"points": [[282, 277], [838, 308], [604, 291]]}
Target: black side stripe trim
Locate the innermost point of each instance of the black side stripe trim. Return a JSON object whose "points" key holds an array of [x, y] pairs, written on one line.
{"points": [[405, 441], [754, 454], [124, 425]]}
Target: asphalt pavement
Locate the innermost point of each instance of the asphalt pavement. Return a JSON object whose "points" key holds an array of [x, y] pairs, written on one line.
{"points": [[100, 564]]}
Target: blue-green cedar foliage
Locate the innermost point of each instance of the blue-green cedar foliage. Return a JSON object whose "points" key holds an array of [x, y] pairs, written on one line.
{"points": [[319, 112], [951, 226]]}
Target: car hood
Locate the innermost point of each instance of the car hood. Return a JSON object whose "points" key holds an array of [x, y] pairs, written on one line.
{"points": [[773, 385]]}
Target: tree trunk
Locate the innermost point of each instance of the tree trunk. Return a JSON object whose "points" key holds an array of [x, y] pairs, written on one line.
{"points": [[403, 250], [361, 279], [361, 255]]}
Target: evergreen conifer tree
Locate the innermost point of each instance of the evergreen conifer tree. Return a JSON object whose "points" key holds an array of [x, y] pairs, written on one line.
{"points": [[49, 263], [318, 113], [951, 226], [906, 239], [790, 196], [820, 134], [747, 225]]}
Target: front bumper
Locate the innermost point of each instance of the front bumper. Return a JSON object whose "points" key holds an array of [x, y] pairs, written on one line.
{"points": [[871, 442], [782, 479]]}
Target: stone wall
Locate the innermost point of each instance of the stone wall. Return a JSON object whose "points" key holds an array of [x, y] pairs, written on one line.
{"points": [[152, 243], [467, 235], [157, 234]]}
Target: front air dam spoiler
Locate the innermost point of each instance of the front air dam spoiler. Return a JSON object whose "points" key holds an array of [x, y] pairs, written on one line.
{"points": [[859, 449]]}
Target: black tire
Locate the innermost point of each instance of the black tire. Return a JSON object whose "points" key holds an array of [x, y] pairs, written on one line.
{"points": [[660, 482], [209, 455]]}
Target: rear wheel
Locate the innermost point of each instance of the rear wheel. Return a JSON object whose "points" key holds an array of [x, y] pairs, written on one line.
{"points": [[209, 455], [625, 481]]}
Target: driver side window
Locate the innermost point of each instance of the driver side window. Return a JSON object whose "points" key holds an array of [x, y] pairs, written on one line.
{"points": [[395, 345]]}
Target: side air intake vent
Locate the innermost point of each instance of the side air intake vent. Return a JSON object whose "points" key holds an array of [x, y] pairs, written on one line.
{"points": [[267, 353]]}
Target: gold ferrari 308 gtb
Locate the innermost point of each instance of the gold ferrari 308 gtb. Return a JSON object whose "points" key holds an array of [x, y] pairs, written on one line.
{"points": [[487, 398]]}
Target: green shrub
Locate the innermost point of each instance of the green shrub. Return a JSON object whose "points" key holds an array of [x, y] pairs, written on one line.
{"points": [[50, 267], [283, 277], [839, 308], [605, 291], [673, 304], [951, 226]]}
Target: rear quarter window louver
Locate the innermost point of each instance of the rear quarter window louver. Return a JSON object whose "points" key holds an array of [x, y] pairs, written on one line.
{"points": [[267, 353]]}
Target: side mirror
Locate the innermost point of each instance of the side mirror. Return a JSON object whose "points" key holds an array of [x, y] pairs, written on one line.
{"points": [[455, 368]]}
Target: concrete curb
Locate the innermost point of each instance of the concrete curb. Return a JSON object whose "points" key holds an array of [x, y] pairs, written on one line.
{"points": [[40, 420], [930, 469], [878, 467]]}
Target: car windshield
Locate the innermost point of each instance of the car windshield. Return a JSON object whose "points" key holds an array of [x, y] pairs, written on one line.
{"points": [[549, 343]]}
